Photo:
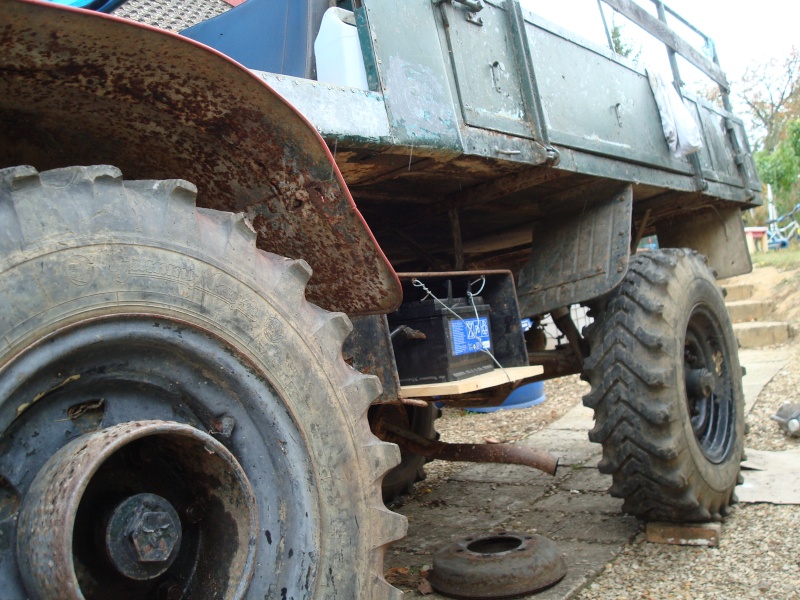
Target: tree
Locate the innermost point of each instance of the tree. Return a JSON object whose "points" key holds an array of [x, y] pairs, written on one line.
{"points": [[771, 93], [622, 47]]}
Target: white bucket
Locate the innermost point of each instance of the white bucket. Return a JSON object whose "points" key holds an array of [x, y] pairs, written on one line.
{"points": [[337, 50]]}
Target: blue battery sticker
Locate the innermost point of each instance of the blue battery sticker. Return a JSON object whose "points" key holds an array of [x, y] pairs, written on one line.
{"points": [[470, 335]]}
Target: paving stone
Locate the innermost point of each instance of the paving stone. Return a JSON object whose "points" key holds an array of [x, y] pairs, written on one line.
{"points": [[514, 474], [584, 562], [586, 479], [465, 493], [596, 528], [592, 502], [571, 447], [579, 418], [432, 528]]}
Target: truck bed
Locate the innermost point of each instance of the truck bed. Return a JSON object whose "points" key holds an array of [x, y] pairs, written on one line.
{"points": [[434, 137], [499, 119]]}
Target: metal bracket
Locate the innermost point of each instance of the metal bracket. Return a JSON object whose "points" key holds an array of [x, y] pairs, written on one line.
{"points": [[473, 7]]}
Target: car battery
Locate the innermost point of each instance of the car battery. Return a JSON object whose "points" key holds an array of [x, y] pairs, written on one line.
{"points": [[438, 345]]}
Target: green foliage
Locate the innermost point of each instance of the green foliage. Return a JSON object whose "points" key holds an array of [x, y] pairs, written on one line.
{"points": [[793, 135], [620, 47], [780, 167]]}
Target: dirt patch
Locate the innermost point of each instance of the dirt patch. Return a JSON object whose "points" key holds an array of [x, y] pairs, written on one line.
{"points": [[780, 286]]}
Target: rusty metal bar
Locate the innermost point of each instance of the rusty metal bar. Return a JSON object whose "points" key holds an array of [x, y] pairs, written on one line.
{"points": [[486, 453]]}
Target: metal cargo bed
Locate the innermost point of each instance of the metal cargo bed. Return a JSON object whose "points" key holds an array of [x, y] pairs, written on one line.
{"points": [[506, 117]]}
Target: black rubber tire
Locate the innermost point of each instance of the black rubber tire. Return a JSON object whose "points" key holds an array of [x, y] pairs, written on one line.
{"points": [[79, 247], [643, 334], [401, 479]]}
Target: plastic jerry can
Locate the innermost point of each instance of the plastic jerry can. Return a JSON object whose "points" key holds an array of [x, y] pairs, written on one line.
{"points": [[337, 50]]}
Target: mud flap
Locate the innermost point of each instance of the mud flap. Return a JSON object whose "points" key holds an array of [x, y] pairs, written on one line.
{"points": [[578, 255], [716, 233]]}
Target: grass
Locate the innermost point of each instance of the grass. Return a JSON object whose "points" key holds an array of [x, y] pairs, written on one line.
{"points": [[784, 259]]}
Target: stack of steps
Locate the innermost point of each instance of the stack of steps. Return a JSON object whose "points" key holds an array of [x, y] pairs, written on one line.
{"points": [[751, 318]]}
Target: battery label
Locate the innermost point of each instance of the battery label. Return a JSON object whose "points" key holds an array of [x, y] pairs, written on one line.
{"points": [[470, 335]]}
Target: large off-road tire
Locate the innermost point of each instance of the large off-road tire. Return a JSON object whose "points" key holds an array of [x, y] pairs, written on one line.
{"points": [[666, 390], [418, 420], [160, 376]]}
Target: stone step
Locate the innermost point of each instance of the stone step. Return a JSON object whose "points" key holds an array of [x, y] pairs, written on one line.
{"points": [[738, 291], [756, 335], [742, 311]]}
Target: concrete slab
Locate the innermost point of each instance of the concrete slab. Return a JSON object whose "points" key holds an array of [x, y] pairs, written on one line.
{"points": [[600, 503], [586, 479], [775, 480], [572, 447], [761, 367], [742, 311], [507, 474], [759, 334], [579, 418], [585, 561], [738, 291], [583, 527], [513, 498]]}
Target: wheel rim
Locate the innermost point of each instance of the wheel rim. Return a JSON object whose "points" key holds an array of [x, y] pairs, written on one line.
{"points": [[709, 385], [99, 375]]}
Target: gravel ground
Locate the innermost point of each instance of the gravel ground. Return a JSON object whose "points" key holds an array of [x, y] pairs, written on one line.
{"points": [[759, 551], [764, 433]]}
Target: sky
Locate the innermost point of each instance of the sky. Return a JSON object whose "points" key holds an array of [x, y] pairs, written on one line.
{"points": [[745, 32]]}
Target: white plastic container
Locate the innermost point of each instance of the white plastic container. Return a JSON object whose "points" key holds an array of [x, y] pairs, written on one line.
{"points": [[337, 50]]}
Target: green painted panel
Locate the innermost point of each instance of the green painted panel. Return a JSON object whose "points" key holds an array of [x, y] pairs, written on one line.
{"points": [[412, 73], [485, 61]]}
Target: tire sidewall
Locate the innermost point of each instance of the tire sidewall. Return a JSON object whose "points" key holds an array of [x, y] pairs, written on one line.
{"points": [[89, 281]]}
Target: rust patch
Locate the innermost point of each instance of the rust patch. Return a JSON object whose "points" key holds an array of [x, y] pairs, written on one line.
{"points": [[84, 88]]}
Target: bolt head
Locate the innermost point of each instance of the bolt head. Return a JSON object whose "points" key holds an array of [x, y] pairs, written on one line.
{"points": [[154, 536], [143, 536]]}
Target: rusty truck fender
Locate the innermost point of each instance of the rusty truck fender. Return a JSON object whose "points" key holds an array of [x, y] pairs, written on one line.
{"points": [[81, 88]]}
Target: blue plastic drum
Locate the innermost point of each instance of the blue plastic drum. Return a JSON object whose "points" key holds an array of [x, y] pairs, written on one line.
{"points": [[522, 397]]}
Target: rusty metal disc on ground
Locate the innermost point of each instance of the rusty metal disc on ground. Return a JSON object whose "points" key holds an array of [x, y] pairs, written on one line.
{"points": [[497, 566]]}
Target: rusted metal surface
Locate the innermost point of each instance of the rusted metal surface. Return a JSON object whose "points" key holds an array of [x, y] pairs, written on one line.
{"points": [[556, 363], [487, 453], [83, 88], [67, 504], [368, 348], [496, 566]]}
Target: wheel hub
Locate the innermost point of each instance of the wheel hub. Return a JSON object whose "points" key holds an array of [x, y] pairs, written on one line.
{"points": [[75, 496]]}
